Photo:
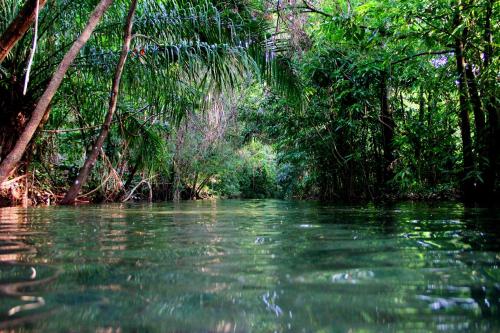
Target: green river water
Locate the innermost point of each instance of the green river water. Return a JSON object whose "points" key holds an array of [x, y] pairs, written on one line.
{"points": [[249, 266]]}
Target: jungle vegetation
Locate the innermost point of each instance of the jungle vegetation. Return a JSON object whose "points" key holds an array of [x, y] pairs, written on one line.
{"points": [[339, 100]]}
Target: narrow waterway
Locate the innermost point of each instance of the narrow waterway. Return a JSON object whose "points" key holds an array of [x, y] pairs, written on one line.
{"points": [[249, 266]]}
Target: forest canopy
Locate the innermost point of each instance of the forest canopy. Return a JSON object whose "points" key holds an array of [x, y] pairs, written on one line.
{"points": [[339, 100]]}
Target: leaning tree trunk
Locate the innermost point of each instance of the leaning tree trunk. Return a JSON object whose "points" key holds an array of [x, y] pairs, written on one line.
{"points": [[14, 105], [19, 26], [72, 193], [13, 158]]}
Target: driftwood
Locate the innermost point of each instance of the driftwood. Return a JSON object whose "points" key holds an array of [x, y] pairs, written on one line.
{"points": [[144, 181], [7, 183]]}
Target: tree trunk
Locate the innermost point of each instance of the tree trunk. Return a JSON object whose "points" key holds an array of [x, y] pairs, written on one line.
{"points": [[476, 106], [388, 125], [176, 194], [492, 110], [18, 27], [113, 101], [480, 132], [419, 134], [468, 159], [203, 183], [193, 187], [131, 175], [10, 162]]}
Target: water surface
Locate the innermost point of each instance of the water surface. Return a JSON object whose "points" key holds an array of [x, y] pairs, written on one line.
{"points": [[249, 266]]}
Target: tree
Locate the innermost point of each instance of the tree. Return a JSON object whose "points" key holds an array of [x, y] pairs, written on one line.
{"points": [[113, 101], [468, 159], [210, 56], [19, 26], [9, 163]]}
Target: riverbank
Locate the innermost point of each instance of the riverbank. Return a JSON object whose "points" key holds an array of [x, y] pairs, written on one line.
{"points": [[19, 191]]}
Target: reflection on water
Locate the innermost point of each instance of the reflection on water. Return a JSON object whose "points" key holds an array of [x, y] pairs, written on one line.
{"points": [[15, 252], [249, 266]]}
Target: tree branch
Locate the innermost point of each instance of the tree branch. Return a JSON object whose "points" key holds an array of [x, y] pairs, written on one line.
{"points": [[421, 54]]}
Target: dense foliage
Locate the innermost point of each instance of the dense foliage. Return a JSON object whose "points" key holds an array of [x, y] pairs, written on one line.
{"points": [[338, 100], [402, 100]]}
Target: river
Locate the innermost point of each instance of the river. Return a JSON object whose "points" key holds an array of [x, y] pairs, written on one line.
{"points": [[250, 266]]}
